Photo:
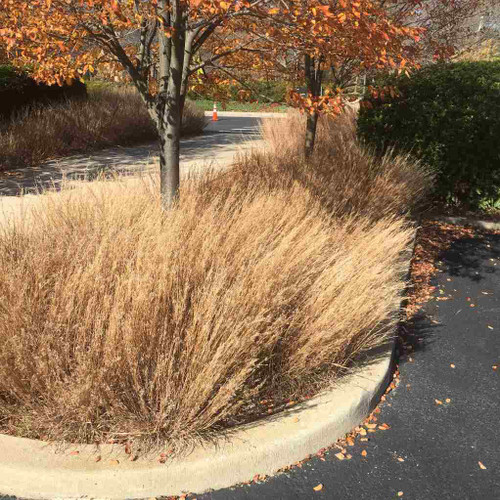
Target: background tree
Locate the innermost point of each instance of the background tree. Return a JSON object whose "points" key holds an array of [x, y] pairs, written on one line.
{"points": [[160, 44]]}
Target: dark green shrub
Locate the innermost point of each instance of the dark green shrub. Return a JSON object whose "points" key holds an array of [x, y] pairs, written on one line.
{"points": [[18, 90], [449, 116], [257, 90]]}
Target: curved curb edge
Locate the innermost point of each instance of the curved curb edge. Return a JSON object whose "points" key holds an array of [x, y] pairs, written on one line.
{"points": [[33, 469]]}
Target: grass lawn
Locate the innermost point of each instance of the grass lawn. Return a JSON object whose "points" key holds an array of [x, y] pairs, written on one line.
{"points": [[208, 105]]}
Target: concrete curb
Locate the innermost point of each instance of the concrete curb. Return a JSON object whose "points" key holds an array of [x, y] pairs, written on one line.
{"points": [[469, 221], [34, 469]]}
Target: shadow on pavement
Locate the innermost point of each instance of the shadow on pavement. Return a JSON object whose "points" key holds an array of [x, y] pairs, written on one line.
{"points": [[216, 140], [466, 257]]}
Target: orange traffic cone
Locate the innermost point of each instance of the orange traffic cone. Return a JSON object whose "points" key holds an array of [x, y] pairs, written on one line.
{"points": [[215, 118]]}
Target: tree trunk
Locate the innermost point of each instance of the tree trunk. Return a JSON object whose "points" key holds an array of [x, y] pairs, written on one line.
{"points": [[182, 105], [314, 78], [169, 102], [312, 122], [169, 158]]}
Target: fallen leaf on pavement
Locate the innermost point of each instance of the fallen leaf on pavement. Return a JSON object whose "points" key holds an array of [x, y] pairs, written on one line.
{"points": [[481, 465], [448, 400], [318, 488], [384, 427], [364, 453], [438, 402], [490, 327], [340, 456], [371, 426], [452, 365], [400, 493], [401, 459]]}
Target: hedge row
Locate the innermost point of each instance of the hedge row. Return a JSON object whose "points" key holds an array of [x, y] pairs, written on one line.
{"points": [[258, 90], [449, 116], [18, 90]]}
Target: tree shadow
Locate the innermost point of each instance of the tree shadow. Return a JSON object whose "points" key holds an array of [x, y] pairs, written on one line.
{"points": [[470, 257], [415, 334], [130, 160]]}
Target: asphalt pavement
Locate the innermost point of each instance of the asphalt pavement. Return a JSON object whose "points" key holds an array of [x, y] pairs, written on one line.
{"points": [[215, 147]]}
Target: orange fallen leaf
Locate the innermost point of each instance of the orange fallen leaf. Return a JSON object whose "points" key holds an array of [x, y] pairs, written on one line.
{"points": [[438, 402], [481, 465], [400, 493], [318, 488], [364, 453], [371, 426], [448, 400], [452, 365], [384, 427], [400, 459], [350, 441], [114, 462], [363, 432]]}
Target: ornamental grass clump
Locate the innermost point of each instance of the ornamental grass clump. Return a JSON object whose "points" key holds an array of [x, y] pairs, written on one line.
{"points": [[121, 320]]}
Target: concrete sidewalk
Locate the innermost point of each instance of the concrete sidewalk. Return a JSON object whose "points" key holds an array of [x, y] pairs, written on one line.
{"points": [[216, 147], [433, 448]]}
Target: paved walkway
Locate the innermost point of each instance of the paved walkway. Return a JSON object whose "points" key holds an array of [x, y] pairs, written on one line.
{"points": [[432, 451], [216, 147]]}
